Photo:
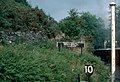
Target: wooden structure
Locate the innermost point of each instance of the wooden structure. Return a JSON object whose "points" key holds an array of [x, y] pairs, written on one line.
{"points": [[105, 55]]}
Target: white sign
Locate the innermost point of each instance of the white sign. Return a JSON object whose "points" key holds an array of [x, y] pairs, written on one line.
{"points": [[70, 44]]}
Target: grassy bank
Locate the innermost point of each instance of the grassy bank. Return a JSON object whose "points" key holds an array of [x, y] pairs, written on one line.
{"points": [[42, 62]]}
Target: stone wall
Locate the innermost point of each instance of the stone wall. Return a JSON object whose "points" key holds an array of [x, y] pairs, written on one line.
{"points": [[19, 37]]}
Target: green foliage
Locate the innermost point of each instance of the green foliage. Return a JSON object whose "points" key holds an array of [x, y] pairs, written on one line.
{"points": [[23, 2], [8, 13], [17, 15], [83, 26], [70, 25], [89, 59], [32, 63], [42, 62]]}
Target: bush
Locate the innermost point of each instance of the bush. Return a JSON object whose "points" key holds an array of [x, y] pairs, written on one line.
{"points": [[101, 72], [43, 62], [27, 62]]}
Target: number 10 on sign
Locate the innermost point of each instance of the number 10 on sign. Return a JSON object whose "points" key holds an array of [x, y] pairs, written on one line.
{"points": [[88, 70]]}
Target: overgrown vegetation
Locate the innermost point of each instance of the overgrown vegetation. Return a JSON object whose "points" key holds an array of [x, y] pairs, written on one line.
{"points": [[18, 16], [84, 27], [26, 55], [43, 62]]}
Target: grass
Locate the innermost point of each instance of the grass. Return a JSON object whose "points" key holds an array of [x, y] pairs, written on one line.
{"points": [[42, 62]]}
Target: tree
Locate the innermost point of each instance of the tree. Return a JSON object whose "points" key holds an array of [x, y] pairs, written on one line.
{"points": [[17, 15], [94, 29], [70, 25], [83, 25], [23, 2]]}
